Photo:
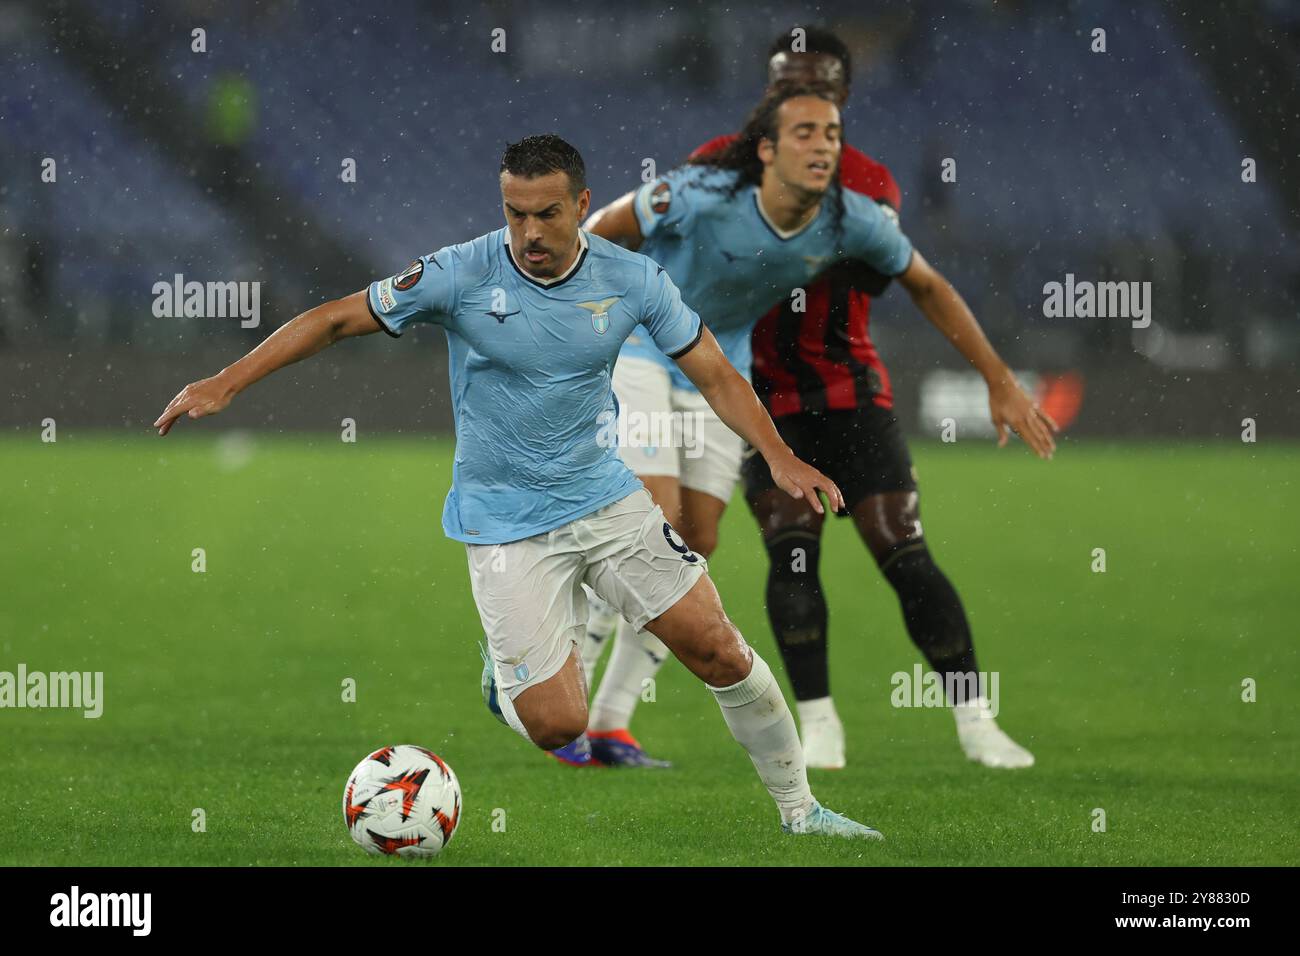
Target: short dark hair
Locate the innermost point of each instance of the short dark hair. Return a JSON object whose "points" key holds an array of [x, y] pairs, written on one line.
{"points": [[545, 154], [816, 40]]}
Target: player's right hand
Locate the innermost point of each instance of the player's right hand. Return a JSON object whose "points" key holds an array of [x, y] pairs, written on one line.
{"points": [[206, 397], [798, 479], [1011, 407]]}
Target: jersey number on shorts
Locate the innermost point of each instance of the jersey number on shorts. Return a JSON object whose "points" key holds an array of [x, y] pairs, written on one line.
{"points": [[673, 539]]}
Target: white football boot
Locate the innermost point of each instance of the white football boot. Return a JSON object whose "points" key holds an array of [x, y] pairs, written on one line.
{"points": [[822, 734], [819, 821], [983, 740]]}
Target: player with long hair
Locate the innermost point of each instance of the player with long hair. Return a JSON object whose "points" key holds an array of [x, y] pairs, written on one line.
{"points": [[820, 376]]}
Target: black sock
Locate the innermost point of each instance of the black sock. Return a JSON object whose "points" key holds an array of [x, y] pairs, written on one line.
{"points": [[933, 614], [796, 609]]}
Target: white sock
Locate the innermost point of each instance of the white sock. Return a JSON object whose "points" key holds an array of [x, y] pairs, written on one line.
{"points": [[761, 722], [636, 658], [972, 712], [819, 708]]}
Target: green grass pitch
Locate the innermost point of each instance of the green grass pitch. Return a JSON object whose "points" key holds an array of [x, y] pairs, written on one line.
{"points": [[325, 561]]}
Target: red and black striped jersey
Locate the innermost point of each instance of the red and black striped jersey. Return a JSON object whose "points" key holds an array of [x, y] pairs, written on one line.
{"points": [[823, 358]]}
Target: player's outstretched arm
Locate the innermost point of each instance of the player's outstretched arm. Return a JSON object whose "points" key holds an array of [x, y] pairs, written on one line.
{"points": [[298, 338], [734, 400], [617, 222], [1009, 405]]}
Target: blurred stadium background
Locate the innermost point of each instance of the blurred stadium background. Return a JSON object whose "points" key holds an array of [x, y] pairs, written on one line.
{"points": [[225, 165]]}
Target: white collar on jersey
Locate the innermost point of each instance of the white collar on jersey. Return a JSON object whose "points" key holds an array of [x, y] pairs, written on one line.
{"points": [[782, 233], [582, 247]]}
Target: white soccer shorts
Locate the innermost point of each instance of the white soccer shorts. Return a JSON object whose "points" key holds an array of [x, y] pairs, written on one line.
{"points": [[666, 431], [530, 597]]}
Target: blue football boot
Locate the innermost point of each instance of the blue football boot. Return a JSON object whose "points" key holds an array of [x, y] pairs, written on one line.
{"points": [[618, 748]]}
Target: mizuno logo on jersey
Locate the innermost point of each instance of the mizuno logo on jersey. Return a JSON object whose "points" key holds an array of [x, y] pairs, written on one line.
{"points": [[502, 316], [600, 313]]}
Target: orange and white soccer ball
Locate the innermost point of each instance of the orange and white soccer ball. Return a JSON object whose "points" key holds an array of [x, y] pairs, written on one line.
{"points": [[402, 801]]}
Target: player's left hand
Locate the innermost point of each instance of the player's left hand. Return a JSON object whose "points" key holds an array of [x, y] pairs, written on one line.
{"points": [[799, 479], [1011, 407]]}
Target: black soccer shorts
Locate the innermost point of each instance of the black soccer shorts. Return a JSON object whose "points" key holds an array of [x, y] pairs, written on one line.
{"points": [[862, 450]]}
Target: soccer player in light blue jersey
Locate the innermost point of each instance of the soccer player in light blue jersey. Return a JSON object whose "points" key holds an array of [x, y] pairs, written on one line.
{"points": [[535, 314], [739, 233]]}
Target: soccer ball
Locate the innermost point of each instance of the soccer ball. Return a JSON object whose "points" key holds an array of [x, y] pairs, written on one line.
{"points": [[402, 801]]}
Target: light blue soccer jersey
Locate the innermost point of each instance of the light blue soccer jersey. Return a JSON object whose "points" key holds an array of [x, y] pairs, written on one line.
{"points": [[530, 375], [732, 265]]}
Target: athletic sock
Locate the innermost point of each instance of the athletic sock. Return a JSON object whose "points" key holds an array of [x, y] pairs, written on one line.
{"points": [[602, 619], [934, 616], [636, 658], [757, 715], [796, 609], [971, 713]]}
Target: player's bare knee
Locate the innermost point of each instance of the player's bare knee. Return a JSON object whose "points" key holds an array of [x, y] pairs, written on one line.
{"points": [[552, 737], [887, 521], [725, 657], [557, 730]]}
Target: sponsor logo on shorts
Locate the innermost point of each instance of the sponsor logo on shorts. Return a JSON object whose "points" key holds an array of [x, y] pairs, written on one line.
{"points": [[677, 544]]}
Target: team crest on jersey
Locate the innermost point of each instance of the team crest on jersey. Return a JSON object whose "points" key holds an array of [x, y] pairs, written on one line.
{"points": [[410, 277], [599, 313], [661, 197]]}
